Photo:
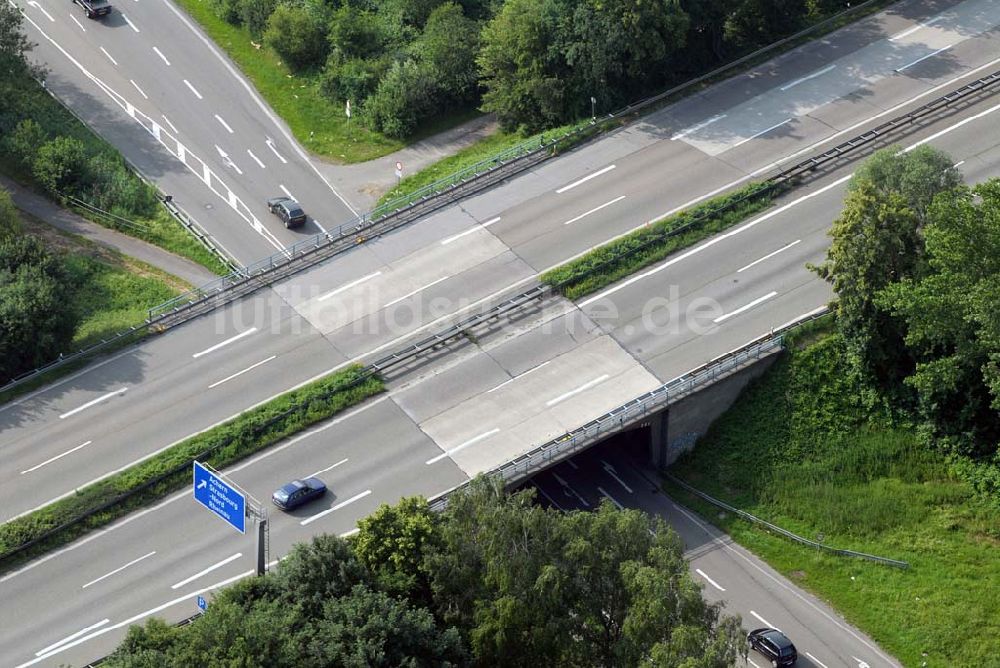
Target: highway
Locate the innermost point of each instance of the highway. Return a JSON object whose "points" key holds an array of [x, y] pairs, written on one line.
{"points": [[150, 82], [460, 413]]}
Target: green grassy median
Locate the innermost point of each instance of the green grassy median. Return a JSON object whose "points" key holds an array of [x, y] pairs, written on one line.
{"points": [[252, 431]]}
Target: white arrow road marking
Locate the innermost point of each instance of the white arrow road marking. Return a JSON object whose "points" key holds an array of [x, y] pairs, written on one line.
{"points": [[611, 498], [569, 490], [41, 9], [861, 664], [270, 145]]}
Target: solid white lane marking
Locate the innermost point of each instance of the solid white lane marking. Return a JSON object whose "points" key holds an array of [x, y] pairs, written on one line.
{"points": [[162, 57], [816, 661], [310, 520], [471, 441], [583, 388], [240, 373], [172, 126], [220, 344], [694, 128], [78, 23], [709, 580], [93, 402], [270, 145], [119, 569], [762, 132], [192, 89], [208, 570], [910, 31], [569, 488], [72, 637], [923, 58], [941, 133], [815, 74], [285, 190], [958, 164], [130, 24], [768, 256], [256, 159], [745, 307], [470, 231], [37, 6], [410, 294], [320, 226], [519, 376], [224, 124], [352, 532], [348, 286], [763, 621], [585, 179], [141, 92], [611, 498], [610, 470], [595, 209], [52, 459], [105, 51], [328, 468]]}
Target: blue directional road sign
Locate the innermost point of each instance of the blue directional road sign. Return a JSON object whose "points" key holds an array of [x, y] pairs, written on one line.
{"points": [[220, 497], [202, 603]]}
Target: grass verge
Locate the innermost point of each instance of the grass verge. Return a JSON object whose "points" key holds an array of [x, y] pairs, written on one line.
{"points": [[626, 255], [103, 502], [801, 449]]}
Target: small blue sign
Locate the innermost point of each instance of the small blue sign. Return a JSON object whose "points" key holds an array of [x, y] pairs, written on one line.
{"points": [[218, 496], [202, 603]]}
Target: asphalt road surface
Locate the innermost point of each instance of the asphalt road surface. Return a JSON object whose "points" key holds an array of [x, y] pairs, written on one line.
{"points": [[488, 400]]}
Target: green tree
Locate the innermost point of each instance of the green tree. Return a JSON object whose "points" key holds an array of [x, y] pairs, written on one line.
{"points": [[356, 33], [298, 34], [22, 144], [60, 165], [255, 13], [407, 93], [758, 22], [392, 543], [318, 570], [354, 79], [448, 45], [10, 219]]}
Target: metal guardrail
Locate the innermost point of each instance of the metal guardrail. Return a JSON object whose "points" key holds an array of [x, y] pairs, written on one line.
{"points": [[895, 563]]}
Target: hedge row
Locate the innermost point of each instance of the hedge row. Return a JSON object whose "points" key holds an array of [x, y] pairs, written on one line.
{"points": [[624, 256], [253, 430]]}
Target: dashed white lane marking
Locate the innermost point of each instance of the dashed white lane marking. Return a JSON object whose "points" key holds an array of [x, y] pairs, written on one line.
{"points": [[256, 159], [162, 57], [240, 373], [816, 661], [285, 190], [77, 22], [817, 73], [220, 344], [119, 569], [356, 497], [420, 289], [93, 402], [594, 210], [471, 441], [348, 286], [610, 470], [208, 570], [745, 307], [72, 637], [130, 24], [546, 495], [141, 92], [172, 127], [105, 52], [328, 468], [522, 375], [470, 231], [694, 128], [224, 124], [585, 179], [569, 488], [709, 580], [348, 534], [270, 145], [910, 31], [193, 89], [610, 498], [52, 459], [586, 386], [320, 226], [923, 58], [768, 256], [42, 10], [762, 132], [763, 621]]}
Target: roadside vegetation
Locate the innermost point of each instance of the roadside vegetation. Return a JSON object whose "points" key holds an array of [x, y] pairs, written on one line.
{"points": [[493, 580], [881, 434], [410, 67], [253, 430], [44, 146], [628, 254]]}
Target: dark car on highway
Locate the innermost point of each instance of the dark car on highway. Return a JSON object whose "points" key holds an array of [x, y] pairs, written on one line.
{"points": [[774, 645], [288, 210], [298, 492], [95, 8]]}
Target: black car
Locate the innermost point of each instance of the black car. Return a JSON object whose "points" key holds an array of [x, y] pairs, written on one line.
{"points": [[95, 8], [775, 645], [288, 210], [298, 492]]}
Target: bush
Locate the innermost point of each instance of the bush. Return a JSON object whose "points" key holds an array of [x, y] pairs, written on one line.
{"points": [[355, 33], [10, 220], [353, 79], [60, 164], [228, 10], [406, 94], [23, 142], [111, 187], [298, 35], [255, 13]]}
